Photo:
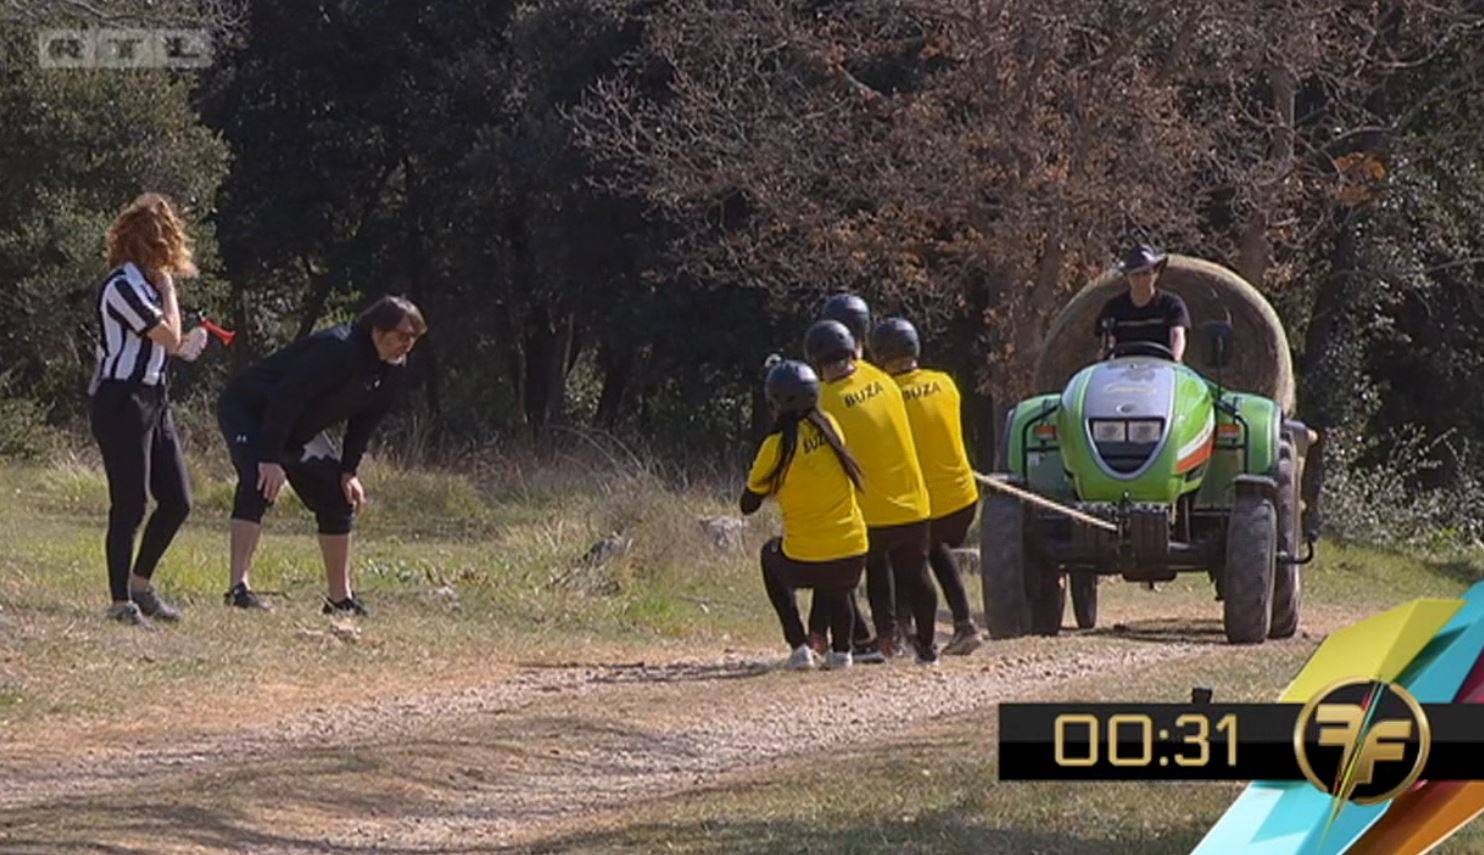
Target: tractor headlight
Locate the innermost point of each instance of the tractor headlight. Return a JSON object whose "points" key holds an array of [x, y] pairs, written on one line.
{"points": [[1109, 431], [1145, 430]]}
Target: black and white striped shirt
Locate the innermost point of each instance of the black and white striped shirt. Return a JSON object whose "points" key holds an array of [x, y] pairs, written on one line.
{"points": [[128, 308]]}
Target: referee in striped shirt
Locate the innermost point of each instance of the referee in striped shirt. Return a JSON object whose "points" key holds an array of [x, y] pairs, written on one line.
{"points": [[139, 331]]}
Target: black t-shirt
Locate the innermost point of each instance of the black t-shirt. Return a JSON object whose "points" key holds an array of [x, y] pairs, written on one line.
{"points": [[1149, 322]]}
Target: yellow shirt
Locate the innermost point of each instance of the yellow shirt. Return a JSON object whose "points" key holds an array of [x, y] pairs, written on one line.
{"points": [[868, 406], [932, 401], [821, 516]]}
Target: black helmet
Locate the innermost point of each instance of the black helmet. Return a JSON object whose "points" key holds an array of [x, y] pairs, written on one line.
{"points": [[792, 387], [1141, 257], [828, 341], [894, 339], [849, 310]]}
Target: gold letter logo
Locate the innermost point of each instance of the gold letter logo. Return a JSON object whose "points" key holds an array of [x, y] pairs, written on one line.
{"points": [[1362, 741]]}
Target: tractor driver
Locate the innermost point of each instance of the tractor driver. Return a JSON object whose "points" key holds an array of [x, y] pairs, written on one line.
{"points": [[1142, 313]]}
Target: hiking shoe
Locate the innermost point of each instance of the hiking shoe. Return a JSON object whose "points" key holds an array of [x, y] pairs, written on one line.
{"points": [[127, 613], [151, 606], [837, 660], [242, 597], [904, 643], [869, 654], [965, 639], [889, 647], [927, 656], [818, 644], [348, 606], [802, 659]]}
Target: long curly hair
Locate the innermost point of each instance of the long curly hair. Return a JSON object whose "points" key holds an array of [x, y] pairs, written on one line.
{"points": [[149, 234]]}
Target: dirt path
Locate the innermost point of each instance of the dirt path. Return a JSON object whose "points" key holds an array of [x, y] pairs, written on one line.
{"points": [[504, 762]]}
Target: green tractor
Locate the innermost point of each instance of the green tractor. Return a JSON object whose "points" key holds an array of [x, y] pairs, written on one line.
{"points": [[1186, 470]]}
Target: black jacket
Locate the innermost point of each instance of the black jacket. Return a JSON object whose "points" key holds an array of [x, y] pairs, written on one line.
{"points": [[314, 383]]}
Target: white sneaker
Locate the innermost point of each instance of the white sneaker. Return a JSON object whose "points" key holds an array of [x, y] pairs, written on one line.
{"points": [[838, 659], [802, 659]]}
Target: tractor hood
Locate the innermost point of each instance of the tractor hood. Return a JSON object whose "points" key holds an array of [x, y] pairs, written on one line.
{"points": [[1136, 419], [1132, 388], [1126, 410]]}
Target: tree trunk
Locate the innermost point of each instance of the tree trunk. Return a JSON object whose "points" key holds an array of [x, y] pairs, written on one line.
{"points": [[242, 351], [548, 341], [314, 302], [417, 282], [1327, 385], [617, 367], [1255, 252], [1033, 315]]}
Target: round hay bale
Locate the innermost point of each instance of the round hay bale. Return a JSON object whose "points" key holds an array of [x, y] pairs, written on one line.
{"points": [[1261, 362]]}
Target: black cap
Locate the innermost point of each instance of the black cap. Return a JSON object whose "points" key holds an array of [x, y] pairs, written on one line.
{"points": [[1141, 257], [828, 341], [791, 387], [894, 339], [849, 310]]}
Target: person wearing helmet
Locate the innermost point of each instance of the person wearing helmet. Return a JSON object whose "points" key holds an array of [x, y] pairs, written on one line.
{"points": [[869, 407], [854, 313], [933, 409], [1143, 313], [803, 463]]}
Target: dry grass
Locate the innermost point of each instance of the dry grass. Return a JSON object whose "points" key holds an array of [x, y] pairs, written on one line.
{"points": [[459, 572]]}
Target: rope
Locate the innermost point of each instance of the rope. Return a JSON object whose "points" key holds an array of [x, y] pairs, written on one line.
{"points": [[1042, 501]]}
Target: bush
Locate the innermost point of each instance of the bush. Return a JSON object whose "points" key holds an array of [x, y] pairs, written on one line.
{"points": [[24, 432], [1387, 503]]}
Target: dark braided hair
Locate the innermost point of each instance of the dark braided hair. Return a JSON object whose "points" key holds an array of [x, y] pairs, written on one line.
{"points": [[787, 426]]}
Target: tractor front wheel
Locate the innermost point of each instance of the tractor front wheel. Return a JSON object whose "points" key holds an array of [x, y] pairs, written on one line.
{"points": [[1084, 598], [1003, 566], [1247, 578]]}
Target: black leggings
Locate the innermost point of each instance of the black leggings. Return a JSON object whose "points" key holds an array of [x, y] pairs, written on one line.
{"points": [[947, 533], [898, 560], [832, 582], [142, 458]]}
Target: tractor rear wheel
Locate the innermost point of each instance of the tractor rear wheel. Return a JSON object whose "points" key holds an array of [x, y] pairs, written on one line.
{"points": [[1003, 566], [1247, 578], [1286, 583], [1084, 598]]}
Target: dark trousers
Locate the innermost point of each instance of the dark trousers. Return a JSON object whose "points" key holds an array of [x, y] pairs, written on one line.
{"points": [[898, 560], [947, 533], [142, 458], [832, 582]]}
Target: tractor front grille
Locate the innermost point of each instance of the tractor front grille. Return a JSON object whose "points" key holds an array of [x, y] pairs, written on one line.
{"points": [[1126, 457]]}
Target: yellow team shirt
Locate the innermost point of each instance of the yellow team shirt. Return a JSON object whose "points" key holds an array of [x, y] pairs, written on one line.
{"points": [[821, 515], [868, 405], [933, 409]]}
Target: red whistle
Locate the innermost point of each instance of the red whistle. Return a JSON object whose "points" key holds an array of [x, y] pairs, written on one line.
{"points": [[224, 336]]}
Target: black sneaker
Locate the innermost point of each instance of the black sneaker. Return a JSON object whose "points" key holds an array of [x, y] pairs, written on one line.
{"points": [[153, 607], [242, 597], [927, 656], [348, 606], [869, 653]]}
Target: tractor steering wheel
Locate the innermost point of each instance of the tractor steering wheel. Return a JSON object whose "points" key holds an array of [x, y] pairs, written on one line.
{"points": [[1144, 348]]}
